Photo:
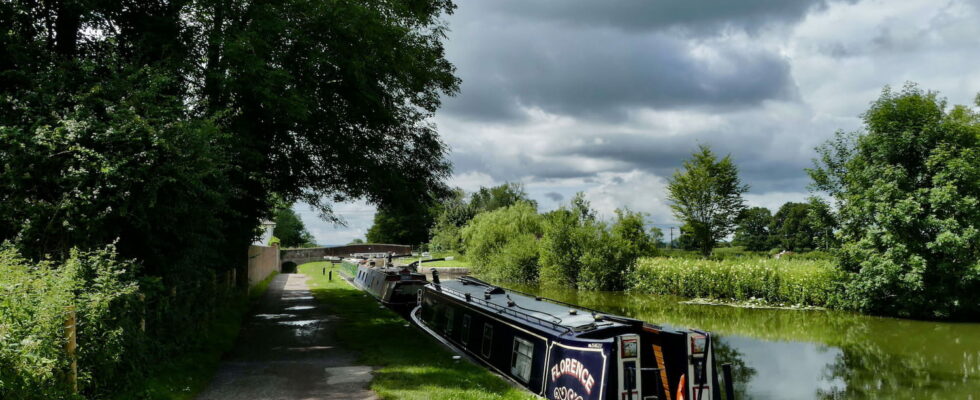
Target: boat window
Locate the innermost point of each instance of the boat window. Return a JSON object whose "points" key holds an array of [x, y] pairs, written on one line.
{"points": [[487, 339], [464, 334], [450, 313], [520, 363]]}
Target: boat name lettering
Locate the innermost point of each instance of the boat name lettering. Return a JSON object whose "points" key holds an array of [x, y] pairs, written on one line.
{"points": [[575, 368], [564, 393]]}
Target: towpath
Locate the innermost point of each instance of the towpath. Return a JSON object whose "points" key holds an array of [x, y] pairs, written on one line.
{"points": [[285, 351]]}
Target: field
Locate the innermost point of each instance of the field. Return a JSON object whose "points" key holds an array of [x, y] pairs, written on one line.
{"points": [[411, 365], [776, 282]]}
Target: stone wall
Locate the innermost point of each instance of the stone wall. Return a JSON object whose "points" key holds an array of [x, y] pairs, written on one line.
{"points": [[300, 256], [262, 261]]}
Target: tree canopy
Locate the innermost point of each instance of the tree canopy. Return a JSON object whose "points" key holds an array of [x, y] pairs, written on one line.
{"points": [[707, 196], [752, 231], [170, 126], [907, 190]]}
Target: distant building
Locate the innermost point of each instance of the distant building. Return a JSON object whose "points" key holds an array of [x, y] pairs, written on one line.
{"points": [[267, 228]]}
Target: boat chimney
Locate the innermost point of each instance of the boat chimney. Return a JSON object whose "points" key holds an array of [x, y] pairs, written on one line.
{"points": [[510, 302], [435, 276], [467, 295]]}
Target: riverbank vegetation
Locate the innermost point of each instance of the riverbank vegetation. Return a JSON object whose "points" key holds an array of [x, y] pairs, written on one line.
{"points": [[411, 364], [901, 236]]}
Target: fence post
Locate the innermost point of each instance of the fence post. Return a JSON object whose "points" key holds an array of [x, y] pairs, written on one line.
{"points": [[70, 348], [142, 312], [330, 278]]}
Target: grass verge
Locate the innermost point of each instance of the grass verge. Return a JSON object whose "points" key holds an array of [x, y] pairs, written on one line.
{"points": [[186, 375], [411, 364]]}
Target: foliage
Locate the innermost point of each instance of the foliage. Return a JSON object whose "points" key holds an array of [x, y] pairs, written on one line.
{"points": [[707, 197], [357, 241], [290, 229], [506, 195], [413, 367], [798, 282], [563, 241], [752, 231], [908, 195], [792, 229], [503, 244], [110, 300], [454, 211], [405, 224]]}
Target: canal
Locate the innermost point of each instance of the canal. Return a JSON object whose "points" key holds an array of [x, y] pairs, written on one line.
{"points": [[797, 354]]}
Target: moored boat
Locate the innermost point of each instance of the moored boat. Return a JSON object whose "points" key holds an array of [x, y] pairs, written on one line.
{"points": [[395, 287], [566, 352]]}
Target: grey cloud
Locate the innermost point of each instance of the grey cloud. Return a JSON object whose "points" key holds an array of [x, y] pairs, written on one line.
{"points": [[691, 16], [602, 73], [554, 196]]}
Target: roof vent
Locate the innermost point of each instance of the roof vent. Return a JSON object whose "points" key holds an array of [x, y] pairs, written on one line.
{"points": [[597, 317], [573, 311]]}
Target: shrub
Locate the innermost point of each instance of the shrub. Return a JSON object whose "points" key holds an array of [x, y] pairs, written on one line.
{"points": [[795, 282], [503, 244], [110, 301]]}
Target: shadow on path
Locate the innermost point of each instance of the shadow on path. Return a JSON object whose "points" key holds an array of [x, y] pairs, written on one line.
{"points": [[286, 351]]}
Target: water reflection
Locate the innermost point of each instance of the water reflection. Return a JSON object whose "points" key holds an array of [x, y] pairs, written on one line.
{"points": [[792, 354]]}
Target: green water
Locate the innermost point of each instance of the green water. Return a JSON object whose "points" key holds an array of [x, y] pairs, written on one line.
{"points": [[793, 354]]}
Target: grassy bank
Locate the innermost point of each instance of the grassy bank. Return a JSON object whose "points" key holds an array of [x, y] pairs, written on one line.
{"points": [[778, 282], [411, 364], [184, 376]]}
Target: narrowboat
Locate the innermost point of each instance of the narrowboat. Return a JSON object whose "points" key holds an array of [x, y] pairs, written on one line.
{"points": [[395, 287], [565, 352]]}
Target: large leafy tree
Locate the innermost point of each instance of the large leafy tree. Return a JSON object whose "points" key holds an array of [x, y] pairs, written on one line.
{"points": [[172, 125], [908, 194], [707, 196], [752, 231]]}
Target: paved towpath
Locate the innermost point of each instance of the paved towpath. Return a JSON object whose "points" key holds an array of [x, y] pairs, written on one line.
{"points": [[285, 352]]}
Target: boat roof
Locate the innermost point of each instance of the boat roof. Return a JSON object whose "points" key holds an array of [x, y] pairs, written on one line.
{"points": [[551, 314]]}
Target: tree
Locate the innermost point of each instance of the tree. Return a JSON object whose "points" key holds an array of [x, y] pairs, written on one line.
{"points": [[173, 124], [563, 240], [707, 197], [503, 244], [752, 231], [408, 224], [357, 241], [489, 199], [907, 191], [451, 214], [290, 229], [791, 229]]}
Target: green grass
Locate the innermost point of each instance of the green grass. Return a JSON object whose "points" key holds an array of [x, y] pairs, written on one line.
{"points": [[411, 364], [184, 376], [777, 282]]}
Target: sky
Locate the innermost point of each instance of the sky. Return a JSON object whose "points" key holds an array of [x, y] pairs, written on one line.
{"points": [[609, 97]]}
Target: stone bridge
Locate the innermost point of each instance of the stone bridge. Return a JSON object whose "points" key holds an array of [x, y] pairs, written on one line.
{"points": [[290, 258]]}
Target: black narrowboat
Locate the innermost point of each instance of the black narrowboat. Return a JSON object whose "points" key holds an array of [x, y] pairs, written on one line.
{"points": [[395, 287], [565, 352]]}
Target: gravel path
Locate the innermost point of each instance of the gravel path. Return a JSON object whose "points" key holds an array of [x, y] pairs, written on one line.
{"points": [[285, 352]]}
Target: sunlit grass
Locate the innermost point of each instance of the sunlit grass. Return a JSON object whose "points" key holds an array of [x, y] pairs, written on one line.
{"points": [[411, 364]]}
